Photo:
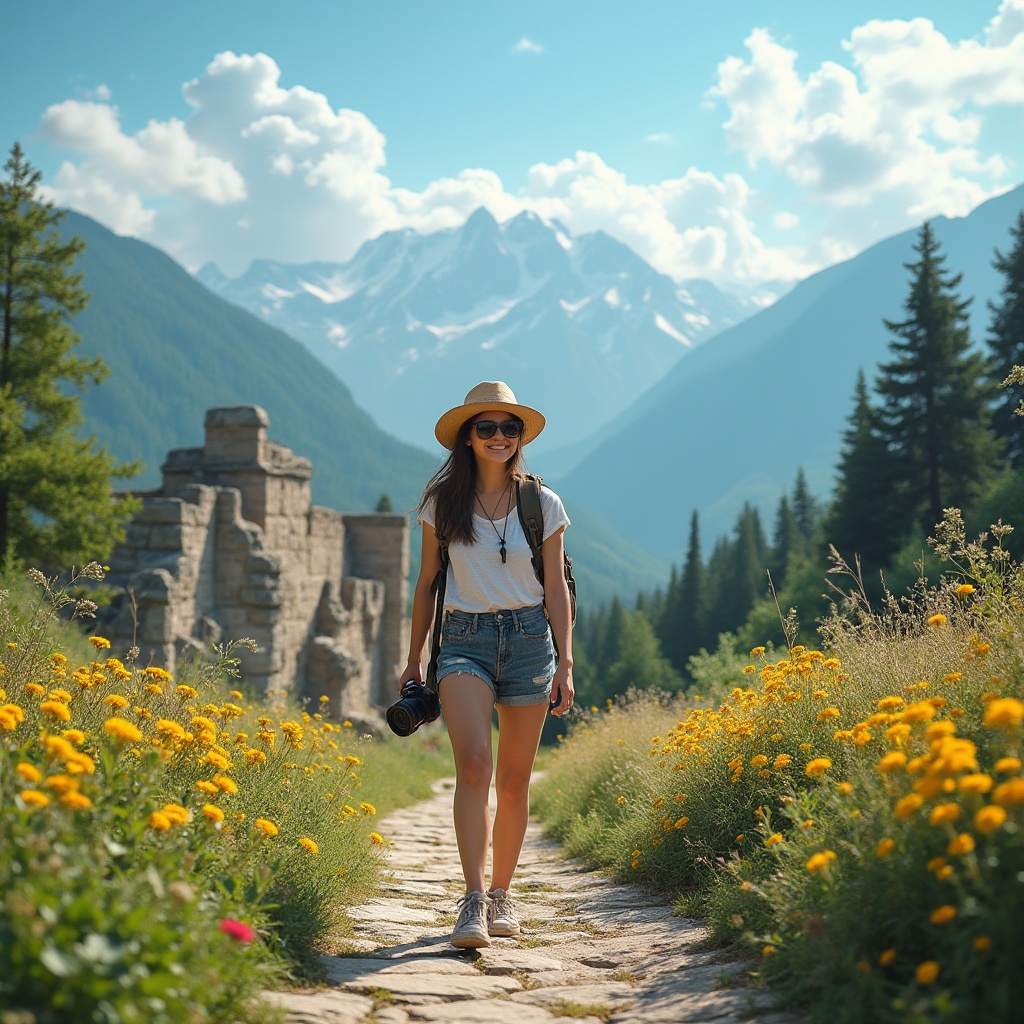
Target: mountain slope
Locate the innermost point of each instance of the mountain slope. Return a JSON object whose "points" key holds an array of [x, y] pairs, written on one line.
{"points": [[735, 420], [175, 350], [578, 326]]}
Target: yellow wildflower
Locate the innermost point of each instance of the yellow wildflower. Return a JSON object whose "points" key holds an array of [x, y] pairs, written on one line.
{"points": [[926, 972], [308, 844], [818, 765], [266, 826], [943, 914], [101, 643], [34, 798], [989, 818], [1004, 711], [122, 730], [820, 861], [57, 709], [961, 845], [159, 822], [213, 812]]}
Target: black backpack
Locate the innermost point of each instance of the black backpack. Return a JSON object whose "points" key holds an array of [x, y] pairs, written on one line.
{"points": [[532, 520]]}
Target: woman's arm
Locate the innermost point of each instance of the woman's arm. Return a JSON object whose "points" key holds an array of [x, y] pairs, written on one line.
{"points": [[422, 606], [556, 600]]}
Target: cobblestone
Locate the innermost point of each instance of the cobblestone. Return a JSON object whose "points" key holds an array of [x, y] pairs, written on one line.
{"points": [[591, 951]]}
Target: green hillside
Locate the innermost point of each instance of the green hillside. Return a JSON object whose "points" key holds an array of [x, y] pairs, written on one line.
{"points": [[175, 350]]}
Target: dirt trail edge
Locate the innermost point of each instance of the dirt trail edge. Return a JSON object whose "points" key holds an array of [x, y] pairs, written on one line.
{"points": [[591, 951]]}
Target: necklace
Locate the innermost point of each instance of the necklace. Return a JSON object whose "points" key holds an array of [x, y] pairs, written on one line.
{"points": [[490, 518]]}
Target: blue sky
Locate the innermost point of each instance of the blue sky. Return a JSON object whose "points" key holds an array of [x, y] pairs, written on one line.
{"points": [[743, 144]]}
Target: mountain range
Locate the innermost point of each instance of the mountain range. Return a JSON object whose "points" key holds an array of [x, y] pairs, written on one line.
{"points": [[579, 327], [736, 419], [174, 350]]}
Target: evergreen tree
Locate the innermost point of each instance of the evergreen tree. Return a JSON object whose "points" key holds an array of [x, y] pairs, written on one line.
{"points": [[787, 537], [55, 501], [1006, 338], [805, 508], [935, 416], [384, 504], [682, 626], [740, 574], [640, 662], [865, 518]]}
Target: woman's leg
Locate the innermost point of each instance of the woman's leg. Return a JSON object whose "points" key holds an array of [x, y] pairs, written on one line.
{"points": [[519, 731], [468, 703]]}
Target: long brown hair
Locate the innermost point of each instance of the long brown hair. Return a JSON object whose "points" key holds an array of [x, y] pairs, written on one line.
{"points": [[451, 489]]}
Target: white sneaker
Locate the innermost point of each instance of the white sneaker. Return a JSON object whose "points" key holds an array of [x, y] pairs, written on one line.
{"points": [[501, 914], [471, 927]]}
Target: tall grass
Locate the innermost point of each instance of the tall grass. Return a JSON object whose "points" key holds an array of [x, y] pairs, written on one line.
{"points": [[168, 846], [853, 816]]}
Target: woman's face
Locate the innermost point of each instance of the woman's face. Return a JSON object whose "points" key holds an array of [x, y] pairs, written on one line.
{"points": [[497, 447]]}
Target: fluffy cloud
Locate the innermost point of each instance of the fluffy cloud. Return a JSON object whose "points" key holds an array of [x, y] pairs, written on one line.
{"points": [[259, 170], [897, 133]]}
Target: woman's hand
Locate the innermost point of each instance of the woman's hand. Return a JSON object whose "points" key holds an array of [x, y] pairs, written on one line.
{"points": [[412, 670], [562, 689]]}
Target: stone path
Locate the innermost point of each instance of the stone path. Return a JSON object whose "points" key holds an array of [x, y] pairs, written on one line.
{"points": [[591, 951]]}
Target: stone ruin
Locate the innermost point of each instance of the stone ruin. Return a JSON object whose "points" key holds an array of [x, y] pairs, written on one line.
{"points": [[230, 546]]}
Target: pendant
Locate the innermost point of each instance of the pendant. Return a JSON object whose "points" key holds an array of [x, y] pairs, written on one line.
{"points": [[502, 552]]}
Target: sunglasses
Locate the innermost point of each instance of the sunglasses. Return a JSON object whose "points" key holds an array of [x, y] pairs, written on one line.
{"points": [[486, 429]]}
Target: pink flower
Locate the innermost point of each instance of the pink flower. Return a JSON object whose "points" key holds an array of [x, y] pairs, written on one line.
{"points": [[238, 930]]}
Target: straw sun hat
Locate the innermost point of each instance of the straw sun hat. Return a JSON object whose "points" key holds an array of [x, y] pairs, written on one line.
{"points": [[488, 395]]}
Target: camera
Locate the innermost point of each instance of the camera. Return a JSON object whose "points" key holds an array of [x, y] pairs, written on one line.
{"points": [[417, 704]]}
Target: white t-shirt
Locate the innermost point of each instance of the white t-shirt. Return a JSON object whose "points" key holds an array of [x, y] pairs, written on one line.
{"points": [[478, 580]]}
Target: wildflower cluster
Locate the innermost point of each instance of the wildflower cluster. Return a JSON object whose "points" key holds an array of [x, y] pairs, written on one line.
{"points": [[224, 826], [854, 815]]}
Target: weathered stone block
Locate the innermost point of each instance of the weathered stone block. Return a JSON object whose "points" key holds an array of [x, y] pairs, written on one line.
{"points": [[165, 538], [160, 510]]}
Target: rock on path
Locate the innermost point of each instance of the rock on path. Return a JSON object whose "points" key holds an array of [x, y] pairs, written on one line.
{"points": [[591, 951]]}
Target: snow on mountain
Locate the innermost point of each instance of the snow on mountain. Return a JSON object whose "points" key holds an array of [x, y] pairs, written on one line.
{"points": [[578, 326]]}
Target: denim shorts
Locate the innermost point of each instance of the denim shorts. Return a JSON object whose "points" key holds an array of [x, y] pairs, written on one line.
{"points": [[511, 651]]}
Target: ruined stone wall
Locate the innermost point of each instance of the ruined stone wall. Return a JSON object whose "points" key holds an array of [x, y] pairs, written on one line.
{"points": [[231, 546]]}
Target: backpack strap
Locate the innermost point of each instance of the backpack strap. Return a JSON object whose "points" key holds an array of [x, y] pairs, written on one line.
{"points": [[531, 518], [438, 586]]}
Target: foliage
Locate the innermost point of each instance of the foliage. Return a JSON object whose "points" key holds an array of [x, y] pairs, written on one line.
{"points": [[934, 416], [55, 502], [168, 848], [1006, 339], [855, 815]]}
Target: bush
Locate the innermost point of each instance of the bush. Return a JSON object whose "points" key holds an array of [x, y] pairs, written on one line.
{"points": [[855, 816], [167, 848]]}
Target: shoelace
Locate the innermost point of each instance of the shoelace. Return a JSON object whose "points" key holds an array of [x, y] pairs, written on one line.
{"points": [[502, 906], [468, 906]]}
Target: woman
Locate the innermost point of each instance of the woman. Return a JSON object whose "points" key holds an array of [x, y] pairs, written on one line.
{"points": [[496, 647]]}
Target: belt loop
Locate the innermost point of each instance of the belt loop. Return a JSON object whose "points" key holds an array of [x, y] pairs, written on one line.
{"points": [[476, 620], [515, 617]]}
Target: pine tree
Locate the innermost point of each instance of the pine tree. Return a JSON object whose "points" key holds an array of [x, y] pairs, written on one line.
{"points": [[805, 508], [55, 501], [640, 662], [935, 415], [1006, 338], [865, 518], [740, 577], [787, 537], [682, 626]]}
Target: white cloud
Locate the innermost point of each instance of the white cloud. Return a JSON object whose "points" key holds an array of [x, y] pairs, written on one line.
{"points": [[526, 45], [258, 170], [896, 134], [659, 138]]}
